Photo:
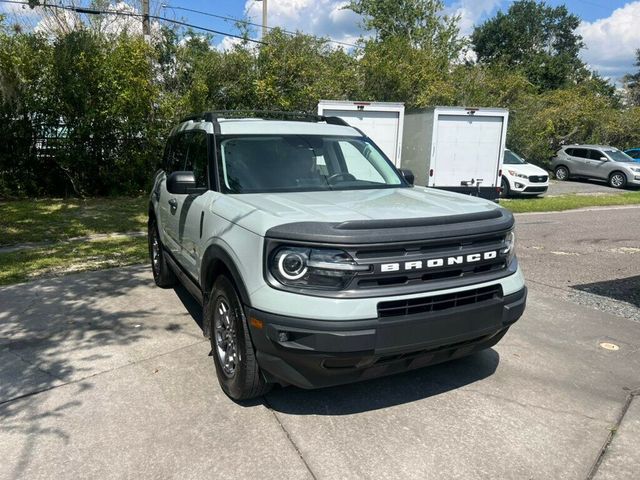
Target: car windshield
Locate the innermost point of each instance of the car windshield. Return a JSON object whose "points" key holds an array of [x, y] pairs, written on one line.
{"points": [[618, 156], [511, 158], [292, 163]]}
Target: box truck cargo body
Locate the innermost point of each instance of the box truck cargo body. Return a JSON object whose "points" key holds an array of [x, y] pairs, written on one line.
{"points": [[455, 148], [382, 122]]}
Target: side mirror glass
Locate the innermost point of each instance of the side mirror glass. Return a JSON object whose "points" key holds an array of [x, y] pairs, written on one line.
{"points": [[181, 183], [408, 175]]}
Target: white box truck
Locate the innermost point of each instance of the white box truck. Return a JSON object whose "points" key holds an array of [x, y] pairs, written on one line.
{"points": [[382, 122], [457, 149]]}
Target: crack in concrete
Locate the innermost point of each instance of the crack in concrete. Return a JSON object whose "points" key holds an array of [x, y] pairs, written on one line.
{"points": [[286, 432], [612, 432]]}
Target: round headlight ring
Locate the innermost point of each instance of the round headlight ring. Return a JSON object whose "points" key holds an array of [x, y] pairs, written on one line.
{"points": [[292, 265]]}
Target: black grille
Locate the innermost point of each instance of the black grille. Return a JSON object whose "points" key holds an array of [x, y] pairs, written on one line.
{"points": [[535, 189], [424, 251], [538, 178], [438, 303]]}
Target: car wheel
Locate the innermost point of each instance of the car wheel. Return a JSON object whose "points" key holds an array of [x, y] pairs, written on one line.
{"points": [[162, 273], [505, 191], [562, 173], [617, 180], [235, 360]]}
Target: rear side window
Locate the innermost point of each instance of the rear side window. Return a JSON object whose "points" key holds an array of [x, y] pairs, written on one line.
{"points": [[580, 153], [197, 157]]}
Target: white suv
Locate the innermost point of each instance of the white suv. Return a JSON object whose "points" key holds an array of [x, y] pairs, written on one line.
{"points": [[522, 178]]}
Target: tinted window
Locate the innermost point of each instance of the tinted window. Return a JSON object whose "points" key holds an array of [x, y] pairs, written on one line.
{"points": [[595, 154], [634, 153], [197, 158], [580, 153], [177, 153], [272, 163], [569, 151]]}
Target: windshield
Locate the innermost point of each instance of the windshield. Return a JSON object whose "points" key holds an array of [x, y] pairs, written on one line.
{"points": [[293, 163], [618, 156], [511, 158]]}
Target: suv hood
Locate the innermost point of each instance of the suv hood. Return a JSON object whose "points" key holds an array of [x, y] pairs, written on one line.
{"points": [[260, 212], [525, 169]]}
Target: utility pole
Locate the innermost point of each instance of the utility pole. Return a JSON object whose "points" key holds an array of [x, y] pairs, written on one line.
{"points": [[146, 30], [264, 19]]}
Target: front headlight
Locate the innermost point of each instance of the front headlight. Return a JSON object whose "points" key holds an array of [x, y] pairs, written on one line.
{"points": [[325, 269], [637, 170], [513, 173], [509, 246]]}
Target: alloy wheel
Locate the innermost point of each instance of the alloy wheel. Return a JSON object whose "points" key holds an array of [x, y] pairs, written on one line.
{"points": [[617, 180], [225, 337]]}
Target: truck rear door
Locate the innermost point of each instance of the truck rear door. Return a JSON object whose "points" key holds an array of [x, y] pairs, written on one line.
{"points": [[467, 148], [381, 126]]}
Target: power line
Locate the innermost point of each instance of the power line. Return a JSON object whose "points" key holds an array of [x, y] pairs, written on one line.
{"points": [[247, 22], [95, 11]]}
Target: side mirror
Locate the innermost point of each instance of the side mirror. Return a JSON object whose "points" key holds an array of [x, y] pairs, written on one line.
{"points": [[408, 175], [181, 183]]}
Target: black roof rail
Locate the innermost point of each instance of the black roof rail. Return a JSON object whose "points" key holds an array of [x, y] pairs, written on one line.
{"points": [[214, 115]]}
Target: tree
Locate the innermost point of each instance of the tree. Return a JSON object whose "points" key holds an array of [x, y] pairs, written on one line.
{"points": [[421, 22], [536, 38], [631, 83]]}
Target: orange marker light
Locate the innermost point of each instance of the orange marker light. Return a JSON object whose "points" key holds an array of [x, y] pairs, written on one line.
{"points": [[255, 323]]}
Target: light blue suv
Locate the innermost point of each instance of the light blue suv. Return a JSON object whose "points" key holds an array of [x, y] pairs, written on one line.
{"points": [[316, 261]]}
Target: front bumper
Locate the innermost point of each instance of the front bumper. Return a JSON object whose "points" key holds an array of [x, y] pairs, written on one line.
{"points": [[521, 186], [320, 353]]}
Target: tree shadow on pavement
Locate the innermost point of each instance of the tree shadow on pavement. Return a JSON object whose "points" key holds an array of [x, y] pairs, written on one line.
{"points": [[57, 331], [622, 289], [386, 391]]}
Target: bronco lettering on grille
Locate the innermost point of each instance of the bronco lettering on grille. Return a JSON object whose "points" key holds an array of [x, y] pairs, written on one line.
{"points": [[438, 262]]}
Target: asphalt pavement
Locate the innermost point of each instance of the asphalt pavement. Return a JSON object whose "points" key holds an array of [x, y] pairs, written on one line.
{"points": [[103, 375], [582, 186]]}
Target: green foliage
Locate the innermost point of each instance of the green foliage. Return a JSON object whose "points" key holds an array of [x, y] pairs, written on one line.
{"points": [[86, 113], [632, 84], [535, 38]]}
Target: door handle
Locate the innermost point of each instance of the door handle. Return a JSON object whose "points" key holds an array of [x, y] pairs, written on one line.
{"points": [[173, 203]]}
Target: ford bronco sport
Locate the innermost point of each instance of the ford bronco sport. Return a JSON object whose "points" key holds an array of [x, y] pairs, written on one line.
{"points": [[316, 261]]}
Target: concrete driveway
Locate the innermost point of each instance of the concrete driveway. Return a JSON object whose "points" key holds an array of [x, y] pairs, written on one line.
{"points": [[102, 375]]}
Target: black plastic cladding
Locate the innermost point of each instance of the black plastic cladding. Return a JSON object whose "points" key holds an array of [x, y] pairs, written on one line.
{"points": [[453, 235]]}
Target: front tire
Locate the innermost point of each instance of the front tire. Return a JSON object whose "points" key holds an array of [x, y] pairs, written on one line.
{"points": [[617, 180], [562, 173], [506, 191], [162, 273], [235, 360]]}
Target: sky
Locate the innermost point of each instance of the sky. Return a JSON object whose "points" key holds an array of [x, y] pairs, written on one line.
{"points": [[609, 27]]}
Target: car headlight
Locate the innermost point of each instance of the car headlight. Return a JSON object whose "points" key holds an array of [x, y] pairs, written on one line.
{"points": [[509, 246], [325, 269], [516, 174], [637, 170]]}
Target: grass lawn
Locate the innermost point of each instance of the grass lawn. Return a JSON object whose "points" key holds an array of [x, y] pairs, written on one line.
{"points": [[51, 220], [69, 257], [569, 202]]}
